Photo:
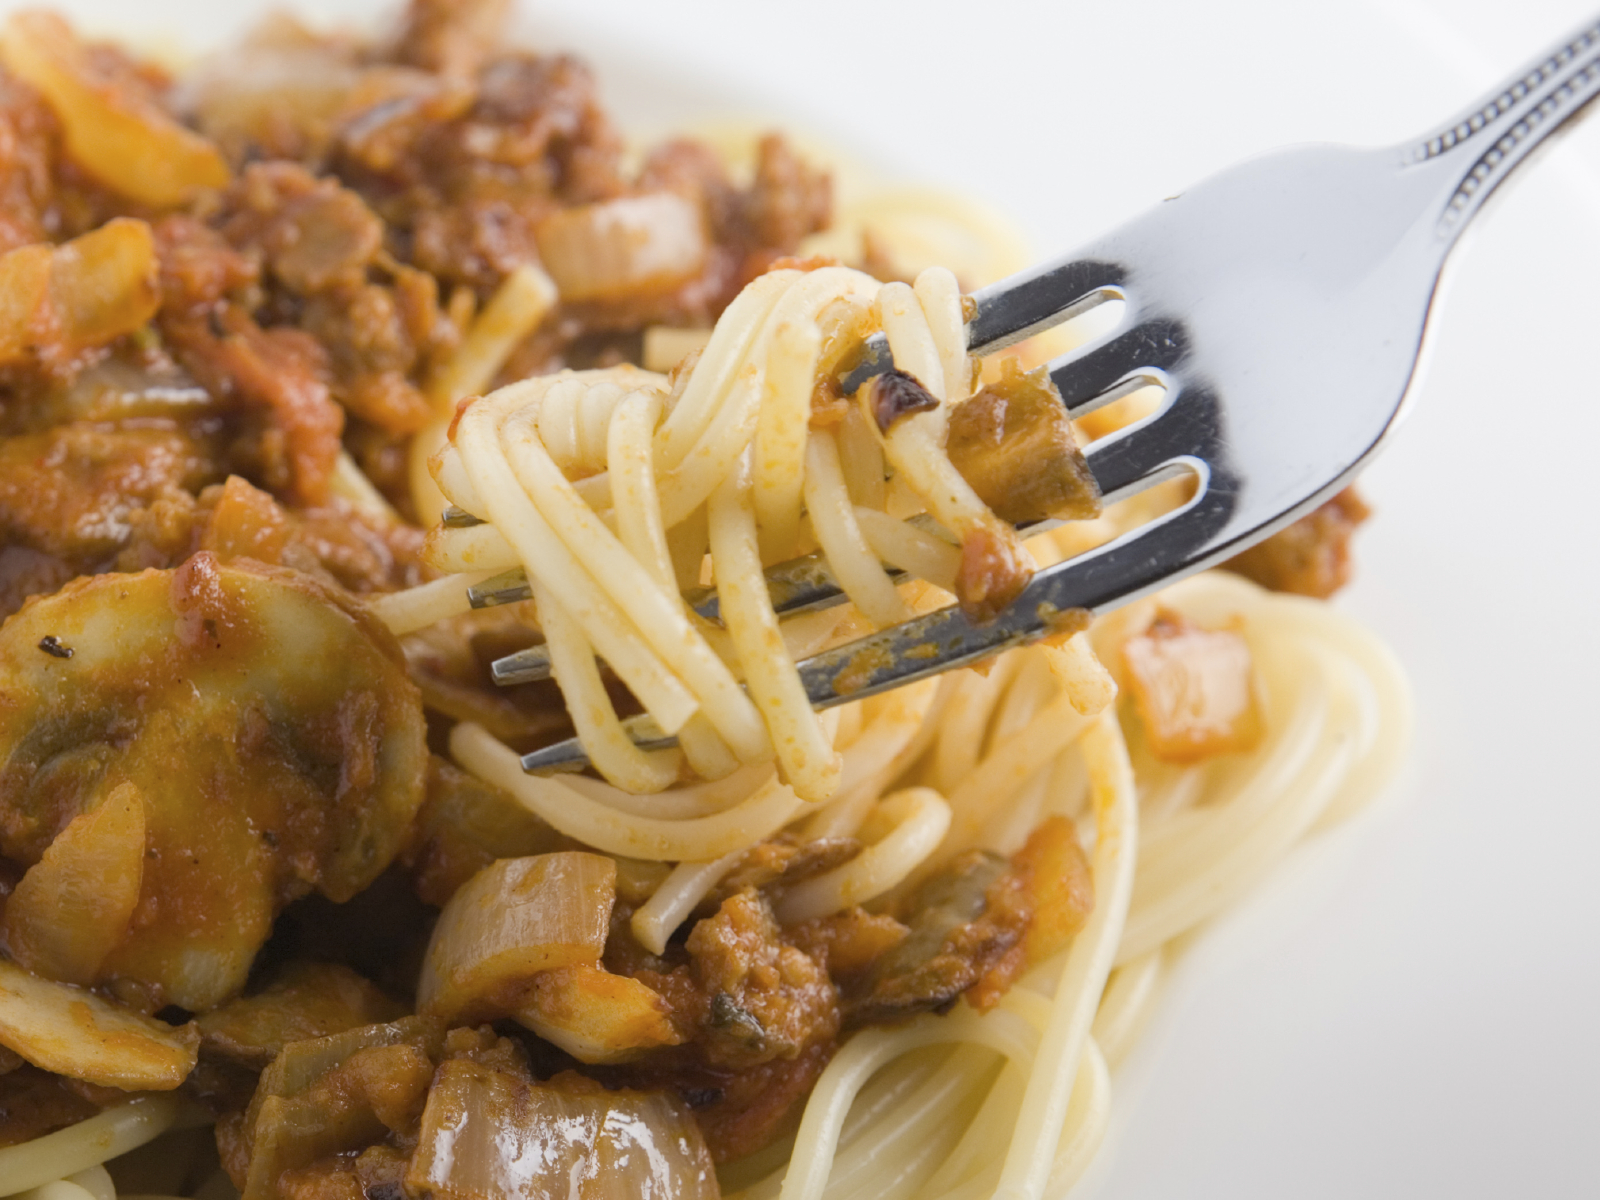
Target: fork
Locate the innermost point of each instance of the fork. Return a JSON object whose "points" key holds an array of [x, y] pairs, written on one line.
{"points": [[1281, 307]]}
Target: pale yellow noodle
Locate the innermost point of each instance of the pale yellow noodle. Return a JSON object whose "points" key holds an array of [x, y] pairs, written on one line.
{"points": [[696, 839]]}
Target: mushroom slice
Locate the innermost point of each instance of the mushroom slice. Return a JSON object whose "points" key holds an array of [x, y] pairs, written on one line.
{"points": [[77, 1034]]}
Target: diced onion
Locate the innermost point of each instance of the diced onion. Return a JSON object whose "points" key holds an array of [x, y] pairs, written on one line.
{"points": [[24, 299], [83, 293], [617, 247], [665, 347], [511, 920], [595, 1016], [1195, 689], [104, 283]]}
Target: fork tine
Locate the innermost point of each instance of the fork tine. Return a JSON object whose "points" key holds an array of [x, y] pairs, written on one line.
{"points": [[1023, 305], [1059, 600], [1087, 374]]}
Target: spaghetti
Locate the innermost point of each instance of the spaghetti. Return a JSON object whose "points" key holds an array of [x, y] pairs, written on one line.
{"points": [[615, 491], [997, 754]]}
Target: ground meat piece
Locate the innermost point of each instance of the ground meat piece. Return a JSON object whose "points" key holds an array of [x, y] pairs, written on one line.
{"points": [[451, 37], [850, 942], [546, 109], [788, 199], [382, 457], [368, 337], [164, 533], [462, 190], [334, 544], [382, 135], [753, 996], [693, 169], [966, 921], [362, 553], [281, 372], [311, 233], [68, 492], [388, 400], [363, 330], [198, 266], [1310, 557], [477, 243]]}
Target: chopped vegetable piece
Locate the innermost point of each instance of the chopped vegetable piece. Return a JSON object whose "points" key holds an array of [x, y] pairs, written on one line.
{"points": [[489, 1135], [965, 921], [514, 919], [1013, 442], [595, 1016], [622, 247], [82, 294], [1194, 689], [77, 1034], [25, 310], [114, 130], [73, 905], [896, 395], [1061, 884], [377, 1090], [105, 283]]}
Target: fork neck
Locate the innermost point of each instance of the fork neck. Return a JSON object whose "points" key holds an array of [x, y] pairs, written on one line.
{"points": [[1478, 150]]}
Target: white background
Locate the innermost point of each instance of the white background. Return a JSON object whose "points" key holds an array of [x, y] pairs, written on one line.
{"points": [[1412, 1008]]}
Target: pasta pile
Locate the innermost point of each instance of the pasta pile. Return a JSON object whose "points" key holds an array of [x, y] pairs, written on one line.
{"points": [[612, 488]]}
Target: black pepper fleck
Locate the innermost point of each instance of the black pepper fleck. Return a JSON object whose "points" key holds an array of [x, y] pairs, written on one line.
{"points": [[52, 646]]}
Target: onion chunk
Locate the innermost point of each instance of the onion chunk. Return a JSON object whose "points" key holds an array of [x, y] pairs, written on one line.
{"points": [[1194, 689], [617, 248], [511, 920], [595, 1016], [113, 130], [81, 294]]}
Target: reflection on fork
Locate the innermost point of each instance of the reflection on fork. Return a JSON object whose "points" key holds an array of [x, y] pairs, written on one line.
{"points": [[1280, 308]]}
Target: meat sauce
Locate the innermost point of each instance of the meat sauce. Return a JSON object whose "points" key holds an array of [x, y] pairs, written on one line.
{"points": [[196, 716]]}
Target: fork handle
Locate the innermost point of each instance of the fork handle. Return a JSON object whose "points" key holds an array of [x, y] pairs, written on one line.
{"points": [[1479, 150]]}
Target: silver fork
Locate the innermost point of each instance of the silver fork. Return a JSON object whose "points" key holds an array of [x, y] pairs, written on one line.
{"points": [[1281, 307]]}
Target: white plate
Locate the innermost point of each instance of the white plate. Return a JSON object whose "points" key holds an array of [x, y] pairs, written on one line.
{"points": [[1414, 1008]]}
